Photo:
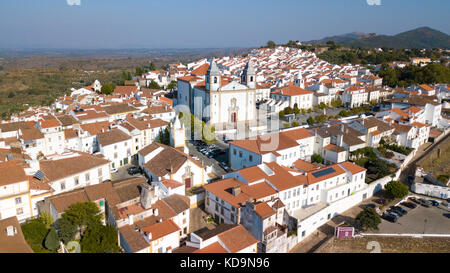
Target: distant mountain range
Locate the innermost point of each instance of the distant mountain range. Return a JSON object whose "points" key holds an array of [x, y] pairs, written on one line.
{"points": [[423, 37]]}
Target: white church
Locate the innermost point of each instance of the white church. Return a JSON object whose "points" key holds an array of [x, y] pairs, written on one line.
{"points": [[218, 100]]}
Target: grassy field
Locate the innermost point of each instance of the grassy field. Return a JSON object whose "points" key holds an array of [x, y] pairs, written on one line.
{"points": [[437, 163], [388, 245]]}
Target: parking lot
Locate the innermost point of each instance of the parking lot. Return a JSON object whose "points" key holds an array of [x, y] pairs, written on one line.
{"points": [[432, 220], [217, 161]]}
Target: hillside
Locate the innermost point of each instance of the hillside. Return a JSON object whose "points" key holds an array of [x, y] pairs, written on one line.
{"points": [[423, 37], [338, 39]]}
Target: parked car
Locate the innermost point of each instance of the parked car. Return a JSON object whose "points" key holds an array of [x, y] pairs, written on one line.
{"points": [[113, 170], [371, 205], [402, 211], [425, 202], [415, 200], [381, 201], [409, 205], [389, 217], [133, 170], [434, 203], [393, 212]]}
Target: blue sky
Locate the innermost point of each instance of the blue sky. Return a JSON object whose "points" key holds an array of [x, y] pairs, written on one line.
{"points": [[201, 23]]}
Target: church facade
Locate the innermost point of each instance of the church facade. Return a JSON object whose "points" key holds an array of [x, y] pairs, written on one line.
{"points": [[218, 100]]}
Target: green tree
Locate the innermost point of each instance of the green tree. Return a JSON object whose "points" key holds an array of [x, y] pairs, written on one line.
{"points": [[316, 158], [34, 231], [288, 110], [67, 230], [164, 136], [152, 66], [281, 114], [172, 85], [154, 85], [271, 44], [100, 239], [321, 118], [310, 120], [52, 240], [295, 124], [396, 189], [296, 111], [369, 219], [108, 88], [83, 215], [46, 219]]}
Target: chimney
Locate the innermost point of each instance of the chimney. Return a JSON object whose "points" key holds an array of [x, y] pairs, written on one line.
{"points": [[155, 212], [236, 191], [130, 220], [146, 196]]}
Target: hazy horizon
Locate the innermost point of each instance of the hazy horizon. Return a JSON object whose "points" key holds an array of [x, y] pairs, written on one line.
{"points": [[202, 24]]}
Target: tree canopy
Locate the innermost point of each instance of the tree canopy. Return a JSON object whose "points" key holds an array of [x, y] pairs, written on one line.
{"points": [[100, 239], [369, 219], [108, 88], [396, 189]]}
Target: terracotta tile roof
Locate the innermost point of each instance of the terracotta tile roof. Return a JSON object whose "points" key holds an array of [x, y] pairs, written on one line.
{"points": [[334, 148], [128, 189], [268, 144], [67, 120], [39, 185], [171, 184], [312, 175], [125, 90], [31, 134], [201, 70], [134, 239], [292, 90], [351, 167], [212, 248], [58, 169], [120, 108], [111, 137], [70, 133], [189, 78], [223, 190], [264, 210], [413, 109], [304, 166], [12, 172], [281, 178], [95, 128], [12, 244], [159, 230], [14, 126], [168, 160], [49, 123], [237, 239]]}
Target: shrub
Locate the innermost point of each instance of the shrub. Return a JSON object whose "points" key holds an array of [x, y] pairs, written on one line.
{"points": [[369, 219], [316, 158], [396, 189], [52, 240]]}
